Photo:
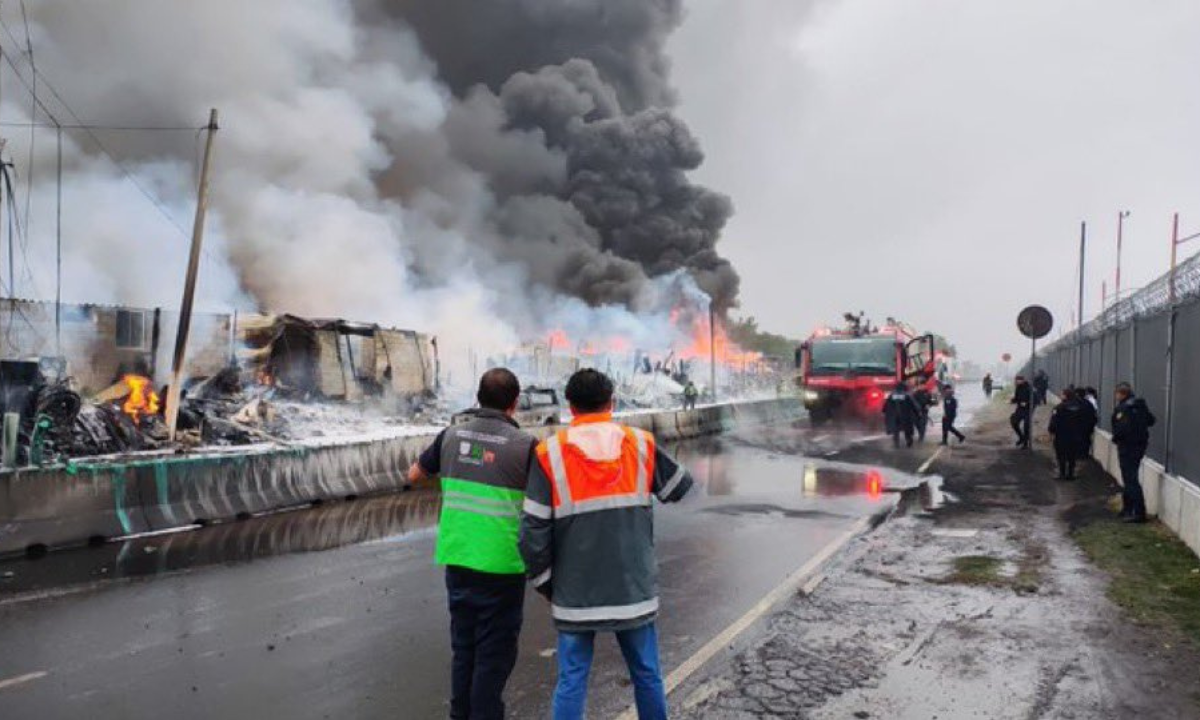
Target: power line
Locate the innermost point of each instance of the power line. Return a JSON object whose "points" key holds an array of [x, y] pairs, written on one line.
{"points": [[105, 128], [32, 112], [158, 204], [89, 129]]}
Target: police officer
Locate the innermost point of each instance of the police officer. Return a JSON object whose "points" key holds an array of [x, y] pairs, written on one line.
{"points": [[1131, 423], [924, 401], [484, 466], [900, 413], [1069, 424], [1041, 386], [1019, 420], [949, 415], [988, 385]]}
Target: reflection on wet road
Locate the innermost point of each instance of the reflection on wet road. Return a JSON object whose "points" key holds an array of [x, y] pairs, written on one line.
{"points": [[337, 611]]}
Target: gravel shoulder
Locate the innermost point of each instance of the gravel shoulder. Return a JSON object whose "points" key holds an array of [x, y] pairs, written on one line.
{"points": [[983, 608]]}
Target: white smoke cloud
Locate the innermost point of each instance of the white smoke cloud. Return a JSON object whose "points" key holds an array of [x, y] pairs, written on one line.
{"points": [[348, 179]]}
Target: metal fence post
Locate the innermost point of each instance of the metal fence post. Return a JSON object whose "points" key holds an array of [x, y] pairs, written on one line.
{"points": [[1133, 341], [1168, 465]]}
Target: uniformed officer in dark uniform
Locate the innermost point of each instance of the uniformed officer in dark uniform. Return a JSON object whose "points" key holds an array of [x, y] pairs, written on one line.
{"points": [[484, 465], [900, 412], [924, 401], [1023, 399], [949, 415], [1069, 424], [1131, 423]]}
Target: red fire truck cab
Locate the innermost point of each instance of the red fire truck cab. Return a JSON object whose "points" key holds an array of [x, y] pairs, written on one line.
{"points": [[848, 373]]}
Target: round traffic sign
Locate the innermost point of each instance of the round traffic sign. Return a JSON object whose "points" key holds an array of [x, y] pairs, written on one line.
{"points": [[1006, 357], [1035, 322]]}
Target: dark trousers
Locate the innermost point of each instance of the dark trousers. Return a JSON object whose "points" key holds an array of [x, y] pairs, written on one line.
{"points": [[1066, 457], [1020, 424], [486, 611], [908, 435], [948, 429], [922, 423], [1133, 500]]}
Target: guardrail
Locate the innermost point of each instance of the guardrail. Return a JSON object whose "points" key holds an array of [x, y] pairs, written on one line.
{"points": [[94, 500]]}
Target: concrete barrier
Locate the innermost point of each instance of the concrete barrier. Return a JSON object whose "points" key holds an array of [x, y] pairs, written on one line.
{"points": [[1174, 500], [52, 508], [68, 505]]}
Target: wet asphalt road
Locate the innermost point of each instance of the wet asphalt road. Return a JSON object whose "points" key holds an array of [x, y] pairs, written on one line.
{"points": [[337, 611]]}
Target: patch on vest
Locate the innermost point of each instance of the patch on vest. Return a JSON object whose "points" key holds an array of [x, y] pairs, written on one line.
{"points": [[471, 454]]}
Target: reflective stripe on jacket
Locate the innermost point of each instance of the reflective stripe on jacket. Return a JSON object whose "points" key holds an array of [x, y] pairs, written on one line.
{"points": [[587, 535], [484, 466]]}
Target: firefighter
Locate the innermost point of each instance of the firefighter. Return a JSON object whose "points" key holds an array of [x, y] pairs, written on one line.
{"points": [[949, 415], [1022, 399], [1069, 424], [1131, 423], [484, 466], [690, 393], [988, 385], [588, 542], [900, 413]]}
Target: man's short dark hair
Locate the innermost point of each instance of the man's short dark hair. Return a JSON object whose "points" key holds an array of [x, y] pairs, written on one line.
{"points": [[589, 390], [1124, 387], [498, 389]]}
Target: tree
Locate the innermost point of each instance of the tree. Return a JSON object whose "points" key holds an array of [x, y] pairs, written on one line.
{"points": [[746, 333]]}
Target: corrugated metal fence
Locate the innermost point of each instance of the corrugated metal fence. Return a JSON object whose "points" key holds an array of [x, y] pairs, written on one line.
{"points": [[1155, 346]]}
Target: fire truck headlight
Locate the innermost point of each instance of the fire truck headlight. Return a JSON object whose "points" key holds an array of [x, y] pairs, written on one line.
{"points": [[812, 395]]}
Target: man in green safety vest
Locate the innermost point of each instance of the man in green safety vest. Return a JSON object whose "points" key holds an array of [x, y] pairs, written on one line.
{"points": [[483, 464]]}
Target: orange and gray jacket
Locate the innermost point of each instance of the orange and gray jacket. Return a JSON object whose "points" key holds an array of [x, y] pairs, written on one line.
{"points": [[587, 530]]}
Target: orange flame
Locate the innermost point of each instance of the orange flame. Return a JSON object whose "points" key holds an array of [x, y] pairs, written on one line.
{"points": [[142, 400], [714, 342]]}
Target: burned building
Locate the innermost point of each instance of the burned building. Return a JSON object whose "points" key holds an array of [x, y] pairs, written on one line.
{"points": [[97, 345], [336, 359], [100, 344]]}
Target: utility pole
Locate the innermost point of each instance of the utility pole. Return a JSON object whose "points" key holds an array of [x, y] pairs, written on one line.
{"points": [[1120, 232], [712, 349], [189, 285], [1174, 254], [1079, 311], [1082, 263]]}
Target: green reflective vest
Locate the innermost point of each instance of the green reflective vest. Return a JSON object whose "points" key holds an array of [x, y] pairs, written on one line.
{"points": [[478, 527]]}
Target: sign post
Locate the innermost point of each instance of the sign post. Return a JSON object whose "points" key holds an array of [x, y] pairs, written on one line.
{"points": [[1034, 322]]}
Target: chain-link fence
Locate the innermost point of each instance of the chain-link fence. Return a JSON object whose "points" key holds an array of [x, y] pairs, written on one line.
{"points": [[1152, 341]]}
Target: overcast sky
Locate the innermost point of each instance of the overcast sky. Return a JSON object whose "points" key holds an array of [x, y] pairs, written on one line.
{"points": [[932, 159]]}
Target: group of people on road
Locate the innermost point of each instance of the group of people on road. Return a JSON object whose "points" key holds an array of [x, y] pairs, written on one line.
{"points": [[907, 413], [570, 515], [1073, 423]]}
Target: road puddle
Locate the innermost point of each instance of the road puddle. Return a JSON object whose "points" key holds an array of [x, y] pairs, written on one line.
{"points": [[820, 481]]}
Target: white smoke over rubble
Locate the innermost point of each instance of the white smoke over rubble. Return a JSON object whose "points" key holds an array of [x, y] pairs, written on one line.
{"points": [[481, 171]]}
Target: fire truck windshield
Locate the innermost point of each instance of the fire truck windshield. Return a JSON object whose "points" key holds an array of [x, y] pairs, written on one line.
{"points": [[865, 356]]}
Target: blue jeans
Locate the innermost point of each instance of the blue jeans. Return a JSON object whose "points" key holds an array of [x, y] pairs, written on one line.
{"points": [[640, 648]]}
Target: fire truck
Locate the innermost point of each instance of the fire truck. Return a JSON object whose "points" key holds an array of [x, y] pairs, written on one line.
{"points": [[848, 373]]}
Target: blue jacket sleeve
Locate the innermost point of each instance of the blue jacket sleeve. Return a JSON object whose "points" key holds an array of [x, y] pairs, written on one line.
{"points": [[671, 480], [536, 538]]}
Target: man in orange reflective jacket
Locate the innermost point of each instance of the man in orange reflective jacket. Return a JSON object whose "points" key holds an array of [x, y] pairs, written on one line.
{"points": [[587, 537]]}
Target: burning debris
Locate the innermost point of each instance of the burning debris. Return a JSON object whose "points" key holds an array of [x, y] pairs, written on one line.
{"points": [[141, 402], [286, 379]]}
